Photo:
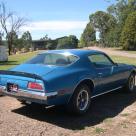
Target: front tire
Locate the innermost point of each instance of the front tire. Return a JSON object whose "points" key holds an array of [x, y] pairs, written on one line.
{"points": [[80, 101], [130, 85]]}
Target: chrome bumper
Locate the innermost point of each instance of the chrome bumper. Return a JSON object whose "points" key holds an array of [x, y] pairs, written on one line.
{"points": [[28, 95]]}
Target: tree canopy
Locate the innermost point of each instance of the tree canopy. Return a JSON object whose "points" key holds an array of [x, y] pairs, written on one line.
{"points": [[128, 35], [26, 40], [69, 42], [88, 36]]}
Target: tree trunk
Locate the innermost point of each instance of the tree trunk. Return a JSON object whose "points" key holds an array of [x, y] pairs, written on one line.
{"points": [[9, 46]]}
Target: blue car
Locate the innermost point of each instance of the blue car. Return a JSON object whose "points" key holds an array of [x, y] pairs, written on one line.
{"points": [[66, 77]]}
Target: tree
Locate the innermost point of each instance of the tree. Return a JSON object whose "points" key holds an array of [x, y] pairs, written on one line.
{"points": [[120, 11], [19, 43], [102, 22], [45, 38], [10, 24], [128, 35], [109, 24], [112, 37], [1, 35], [51, 44], [70, 42], [26, 40], [88, 36], [14, 39]]}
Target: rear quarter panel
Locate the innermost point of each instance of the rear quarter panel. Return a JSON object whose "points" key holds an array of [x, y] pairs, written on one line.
{"points": [[65, 79]]}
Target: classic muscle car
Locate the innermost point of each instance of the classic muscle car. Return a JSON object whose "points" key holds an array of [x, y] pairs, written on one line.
{"points": [[66, 77]]}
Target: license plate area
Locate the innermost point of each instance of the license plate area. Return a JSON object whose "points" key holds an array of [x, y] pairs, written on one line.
{"points": [[11, 87]]}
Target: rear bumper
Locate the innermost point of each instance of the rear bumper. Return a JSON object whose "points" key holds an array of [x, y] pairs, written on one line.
{"points": [[38, 97]]}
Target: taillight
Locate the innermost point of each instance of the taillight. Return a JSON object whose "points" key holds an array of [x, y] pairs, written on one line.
{"points": [[35, 86]]}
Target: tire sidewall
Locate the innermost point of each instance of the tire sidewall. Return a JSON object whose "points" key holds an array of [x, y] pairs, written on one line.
{"points": [[128, 86], [75, 96]]}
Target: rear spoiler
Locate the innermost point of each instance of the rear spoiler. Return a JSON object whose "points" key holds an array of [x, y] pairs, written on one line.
{"points": [[24, 74]]}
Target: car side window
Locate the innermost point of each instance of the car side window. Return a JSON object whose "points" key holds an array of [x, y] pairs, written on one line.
{"points": [[100, 60]]}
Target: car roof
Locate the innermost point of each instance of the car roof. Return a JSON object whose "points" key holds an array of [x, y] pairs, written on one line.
{"points": [[77, 52]]}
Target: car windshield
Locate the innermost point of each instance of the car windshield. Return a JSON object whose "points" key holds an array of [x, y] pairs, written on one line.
{"points": [[53, 59]]}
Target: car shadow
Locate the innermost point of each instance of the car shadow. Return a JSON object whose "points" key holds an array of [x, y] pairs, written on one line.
{"points": [[103, 107], [8, 63]]}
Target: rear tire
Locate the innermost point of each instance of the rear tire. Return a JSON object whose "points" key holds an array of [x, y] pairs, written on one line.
{"points": [[80, 101], [130, 85]]}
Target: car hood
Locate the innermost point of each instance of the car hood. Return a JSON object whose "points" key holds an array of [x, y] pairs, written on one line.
{"points": [[37, 69]]}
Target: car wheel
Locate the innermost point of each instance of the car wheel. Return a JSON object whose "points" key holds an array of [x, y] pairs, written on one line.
{"points": [[80, 101], [130, 85]]}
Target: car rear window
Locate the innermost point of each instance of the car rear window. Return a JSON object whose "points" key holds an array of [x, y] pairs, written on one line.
{"points": [[53, 59]]}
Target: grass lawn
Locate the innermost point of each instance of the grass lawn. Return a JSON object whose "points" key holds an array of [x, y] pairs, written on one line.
{"points": [[122, 59], [17, 59], [120, 49], [14, 60], [133, 52]]}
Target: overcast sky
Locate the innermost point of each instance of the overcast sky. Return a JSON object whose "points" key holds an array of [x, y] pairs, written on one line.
{"points": [[56, 18]]}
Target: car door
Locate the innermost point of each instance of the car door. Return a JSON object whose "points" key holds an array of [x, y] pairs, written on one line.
{"points": [[106, 79]]}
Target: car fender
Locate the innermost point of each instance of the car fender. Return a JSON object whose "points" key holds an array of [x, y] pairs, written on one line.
{"points": [[78, 83]]}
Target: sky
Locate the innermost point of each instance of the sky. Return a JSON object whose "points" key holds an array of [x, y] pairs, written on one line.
{"points": [[56, 18]]}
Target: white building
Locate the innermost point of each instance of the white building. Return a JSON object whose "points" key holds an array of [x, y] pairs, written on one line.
{"points": [[3, 54]]}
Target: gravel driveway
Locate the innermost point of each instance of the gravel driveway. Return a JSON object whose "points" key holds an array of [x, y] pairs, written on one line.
{"points": [[113, 114]]}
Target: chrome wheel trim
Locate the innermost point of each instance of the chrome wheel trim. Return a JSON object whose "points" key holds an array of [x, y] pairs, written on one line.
{"points": [[132, 83], [82, 100]]}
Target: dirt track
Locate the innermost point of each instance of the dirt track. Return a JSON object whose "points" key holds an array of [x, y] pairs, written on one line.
{"points": [[113, 114]]}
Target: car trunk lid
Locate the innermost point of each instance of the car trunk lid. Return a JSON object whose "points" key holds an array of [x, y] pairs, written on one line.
{"points": [[38, 69], [25, 73]]}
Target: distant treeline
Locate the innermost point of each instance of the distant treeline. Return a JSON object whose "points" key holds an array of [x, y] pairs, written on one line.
{"points": [[116, 28], [25, 43]]}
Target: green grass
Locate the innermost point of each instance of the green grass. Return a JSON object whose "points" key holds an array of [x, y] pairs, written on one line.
{"points": [[133, 52], [124, 125], [20, 58], [14, 60], [120, 49], [99, 130], [125, 114], [121, 59], [108, 120]]}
